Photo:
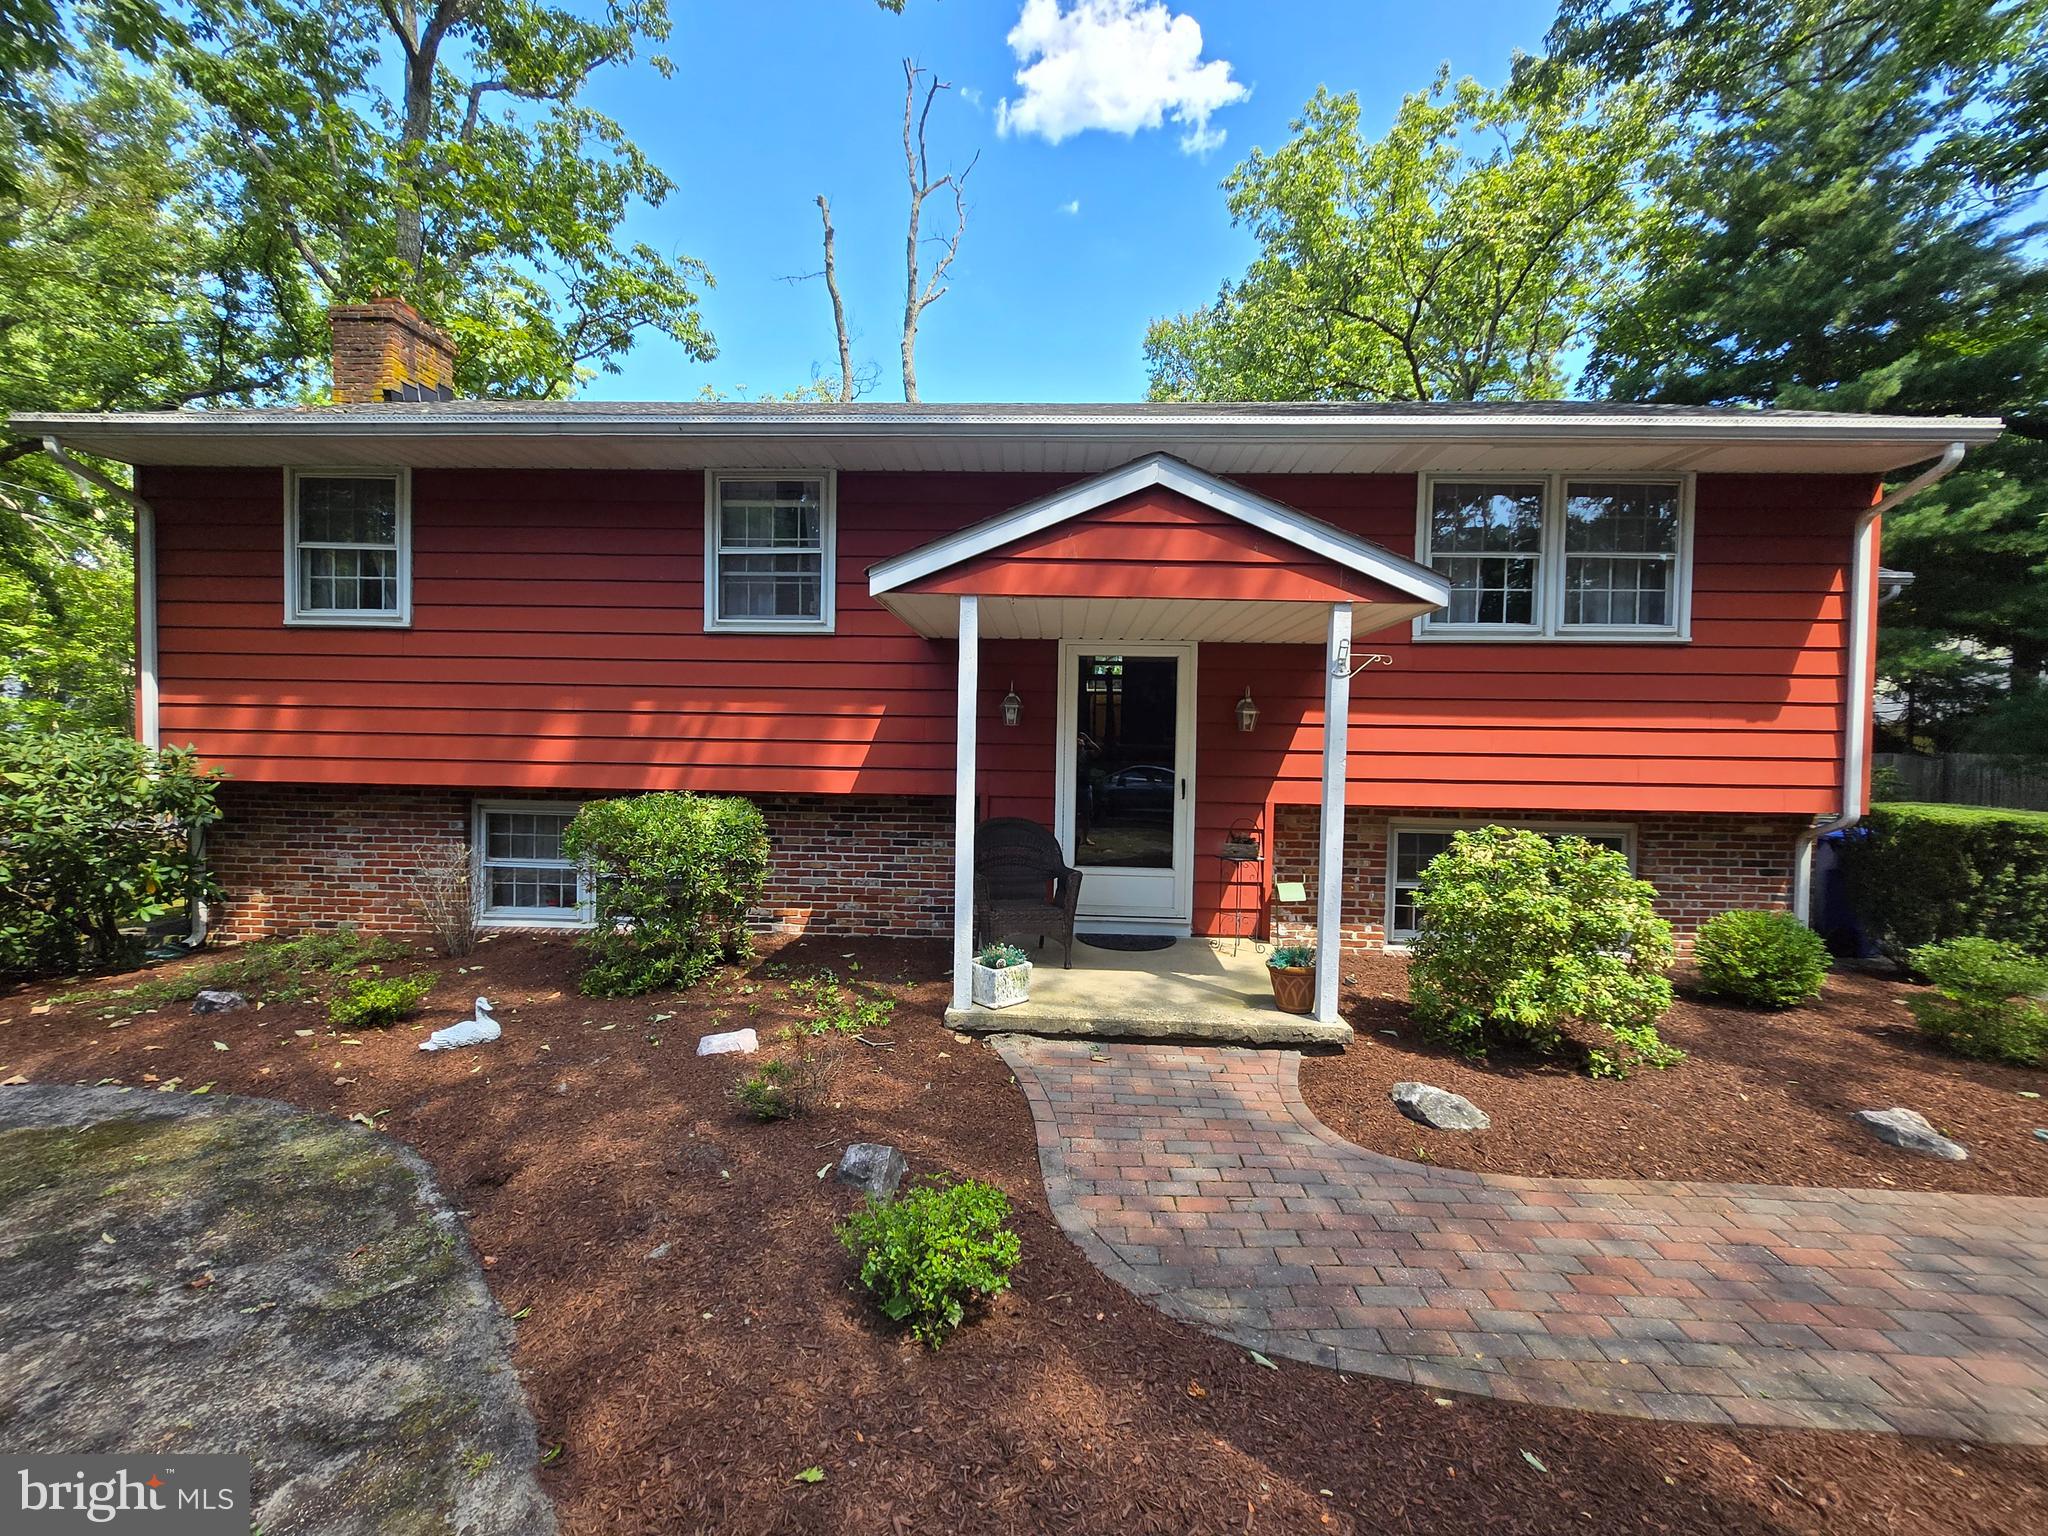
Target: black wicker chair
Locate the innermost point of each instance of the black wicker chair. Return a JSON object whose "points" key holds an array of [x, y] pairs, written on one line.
{"points": [[1023, 886]]}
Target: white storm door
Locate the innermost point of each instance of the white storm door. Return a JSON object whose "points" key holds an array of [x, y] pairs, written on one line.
{"points": [[1125, 780]]}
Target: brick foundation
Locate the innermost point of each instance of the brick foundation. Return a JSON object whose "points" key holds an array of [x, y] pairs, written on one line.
{"points": [[299, 856], [294, 857], [1700, 865], [859, 864]]}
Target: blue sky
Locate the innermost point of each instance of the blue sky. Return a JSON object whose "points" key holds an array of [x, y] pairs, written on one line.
{"points": [[775, 101]]}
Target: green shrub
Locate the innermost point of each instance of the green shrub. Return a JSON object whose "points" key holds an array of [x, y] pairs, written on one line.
{"points": [[1001, 957], [931, 1253], [836, 1010], [1986, 999], [1292, 957], [673, 876], [95, 842], [1919, 874], [378, 1002], [1523, 937], [782, 1090], [1764, 959]]}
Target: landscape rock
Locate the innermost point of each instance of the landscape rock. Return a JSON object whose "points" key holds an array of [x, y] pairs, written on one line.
{"points": [[232, 1274], [1438, 1108], [659, 1252], [874, 1167], [743, 1042], [214, 1000], [1910, 1132]]}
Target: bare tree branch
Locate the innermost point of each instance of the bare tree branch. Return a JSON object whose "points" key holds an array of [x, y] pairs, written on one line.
{"points": [[917, 173]]}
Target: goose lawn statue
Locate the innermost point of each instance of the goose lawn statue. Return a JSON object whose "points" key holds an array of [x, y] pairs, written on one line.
{"points": [[476, 1031]]}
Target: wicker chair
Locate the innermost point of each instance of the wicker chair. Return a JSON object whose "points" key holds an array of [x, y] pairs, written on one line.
{"points": [[1023, 885]]}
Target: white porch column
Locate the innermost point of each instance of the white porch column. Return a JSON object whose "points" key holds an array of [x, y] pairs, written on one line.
{"points": [[963, 803], [1330, 852]]}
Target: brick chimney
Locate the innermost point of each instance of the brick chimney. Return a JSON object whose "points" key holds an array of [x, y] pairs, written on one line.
{"points": [[383, 351]]}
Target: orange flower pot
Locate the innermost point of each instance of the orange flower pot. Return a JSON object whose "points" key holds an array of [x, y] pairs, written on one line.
{"points": [[1294, 988]]}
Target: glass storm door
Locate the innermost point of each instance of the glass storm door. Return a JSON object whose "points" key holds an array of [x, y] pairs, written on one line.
{"points": [[1126, 790]]}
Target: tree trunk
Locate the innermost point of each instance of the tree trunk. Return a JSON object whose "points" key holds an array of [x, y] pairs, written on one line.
{"points": [[838, 308]]}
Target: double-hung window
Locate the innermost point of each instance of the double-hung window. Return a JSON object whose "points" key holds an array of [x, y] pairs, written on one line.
{"points": [[1621, 547], [1559, 557], [1410, 848], [768, 552], [348, 547], [1486, 539], [523, 877]]}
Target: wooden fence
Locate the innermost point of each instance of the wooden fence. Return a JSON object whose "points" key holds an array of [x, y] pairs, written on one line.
{"points": [[1966, 778]]}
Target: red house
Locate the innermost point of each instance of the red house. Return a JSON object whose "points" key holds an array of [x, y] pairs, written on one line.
{"points": [[1155, 628]]}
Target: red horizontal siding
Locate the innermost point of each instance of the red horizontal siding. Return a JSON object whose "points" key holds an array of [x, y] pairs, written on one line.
{"points": [[1158, 543], [558, 644]]}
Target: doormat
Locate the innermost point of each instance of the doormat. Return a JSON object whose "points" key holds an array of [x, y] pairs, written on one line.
{"points": [[1126, 941]]}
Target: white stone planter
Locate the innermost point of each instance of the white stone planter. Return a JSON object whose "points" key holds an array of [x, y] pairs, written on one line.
{"points": [[1001, 988]]}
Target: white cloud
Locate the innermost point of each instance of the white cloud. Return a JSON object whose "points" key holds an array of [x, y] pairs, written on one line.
{"points": [[971, 95], [1118, 65], [1073, 206]]}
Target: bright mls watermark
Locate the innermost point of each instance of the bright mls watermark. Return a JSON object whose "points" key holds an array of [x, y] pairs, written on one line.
{"points": [[161, 1495]]}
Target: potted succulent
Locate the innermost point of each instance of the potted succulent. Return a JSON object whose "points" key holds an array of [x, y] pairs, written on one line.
{"points": [[1002, 976], [1293, 969]]}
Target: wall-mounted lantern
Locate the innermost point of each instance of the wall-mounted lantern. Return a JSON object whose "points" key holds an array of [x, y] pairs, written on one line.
{"points": [[1013, 707], [1247, 711]]}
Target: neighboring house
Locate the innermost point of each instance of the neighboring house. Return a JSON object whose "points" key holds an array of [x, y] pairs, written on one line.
{"points": [[427, 618]]}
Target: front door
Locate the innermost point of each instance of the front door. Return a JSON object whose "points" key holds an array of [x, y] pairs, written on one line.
{"points": [[1125, 781]]}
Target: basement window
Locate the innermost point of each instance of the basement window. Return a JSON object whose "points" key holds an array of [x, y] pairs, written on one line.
{"points": [[768, 552], [348, 547], [1411, 847], [523, 878]]}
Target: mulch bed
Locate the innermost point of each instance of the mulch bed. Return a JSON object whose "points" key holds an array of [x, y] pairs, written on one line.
{"points": [[1761, 1098], [687, 1392]]}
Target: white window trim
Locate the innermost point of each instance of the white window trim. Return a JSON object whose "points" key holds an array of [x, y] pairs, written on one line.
{"points": [[1626, 831], [828, 566], [1550, 628], [479, 882], [295, 614]]}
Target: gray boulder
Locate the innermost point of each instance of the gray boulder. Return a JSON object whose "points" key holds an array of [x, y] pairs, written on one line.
{"points": [[742, 1042], [213, 1000], [873, 1167], [1910, 1132], [1438, 1108]]}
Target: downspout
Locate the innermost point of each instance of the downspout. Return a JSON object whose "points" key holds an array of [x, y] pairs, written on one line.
{"points": [[1857, 703], [147, 713], [88, 478]]}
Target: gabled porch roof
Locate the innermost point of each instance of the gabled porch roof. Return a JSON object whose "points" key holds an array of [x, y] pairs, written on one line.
{"points": [[1155, 550]]}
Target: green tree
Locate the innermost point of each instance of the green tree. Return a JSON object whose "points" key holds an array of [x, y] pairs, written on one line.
{"points": [[1459, 257], [131, 277], [1848, 229], [479, 188]]}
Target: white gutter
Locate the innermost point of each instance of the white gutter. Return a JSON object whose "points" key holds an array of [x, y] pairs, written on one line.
{"points": [[1857, 702], [88, 478], [658, 420], [147, 726]]}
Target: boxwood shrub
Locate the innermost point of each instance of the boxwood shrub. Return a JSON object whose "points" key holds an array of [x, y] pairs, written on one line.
{"points": [[1524, 938], [932, 1253], [1764, 959], [1919, 874], [1987, 999], [672, 876]]}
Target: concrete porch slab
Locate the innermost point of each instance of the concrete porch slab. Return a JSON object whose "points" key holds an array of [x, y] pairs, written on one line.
{"points": [[1196, 989]]}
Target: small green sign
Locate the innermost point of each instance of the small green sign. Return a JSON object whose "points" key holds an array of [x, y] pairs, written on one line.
{"points": [[1290, 890]]}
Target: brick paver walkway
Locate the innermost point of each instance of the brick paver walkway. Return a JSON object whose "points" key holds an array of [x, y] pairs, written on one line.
{"points": [[1196, 1177]]}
